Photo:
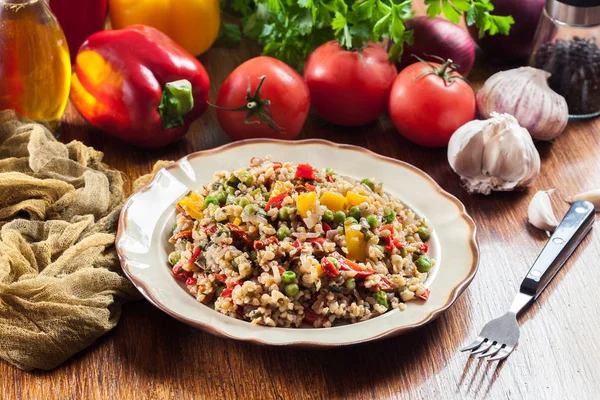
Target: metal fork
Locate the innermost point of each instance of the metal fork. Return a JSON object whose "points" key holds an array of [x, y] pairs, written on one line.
{"points": [[498, 337]]}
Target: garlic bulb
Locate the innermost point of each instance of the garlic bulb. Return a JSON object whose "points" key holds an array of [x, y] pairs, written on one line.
{"points": [[539, 212], [593, 196], [525, 94], [493, 154]]}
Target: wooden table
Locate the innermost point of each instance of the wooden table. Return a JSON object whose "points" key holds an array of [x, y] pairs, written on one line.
{"points": [[150, 355]]}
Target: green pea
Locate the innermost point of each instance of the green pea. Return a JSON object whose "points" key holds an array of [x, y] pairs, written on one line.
{"points": [[266, 196], [339, 217], [423, 233], [368, 182], [329, 171], [251, 209], [355, 213], [288, 276], [423, 264], [210, 200], [350, 284], [350, 221], [381, 298], [221, 197], [372, 221], [243, 202], [328, 216], [291, 289], [283, 232], [403, 252], [255, 192], [246, 178], [390, 217], [283, 214], [174, 257], [230, 190]]}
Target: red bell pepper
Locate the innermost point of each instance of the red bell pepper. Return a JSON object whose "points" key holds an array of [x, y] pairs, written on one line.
{"points": [[276, 201], [347, 265], [329, 265], [305, 171], [138, 85], [79, 19]]}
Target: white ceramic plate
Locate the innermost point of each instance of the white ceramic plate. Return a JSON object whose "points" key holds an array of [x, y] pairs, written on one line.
{"points": [[147, 219]]}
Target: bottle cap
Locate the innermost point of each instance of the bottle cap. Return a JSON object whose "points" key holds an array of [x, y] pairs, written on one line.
{"points": [[574, 12]]}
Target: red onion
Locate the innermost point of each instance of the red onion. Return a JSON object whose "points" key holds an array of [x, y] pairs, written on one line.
{"points": [[517, 45], [442, 38]]}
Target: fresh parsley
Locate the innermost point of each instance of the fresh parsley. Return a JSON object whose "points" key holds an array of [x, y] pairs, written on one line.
{"points": [[291, 29]]}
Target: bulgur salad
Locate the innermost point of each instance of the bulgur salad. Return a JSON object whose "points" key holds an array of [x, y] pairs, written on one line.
{"points": [[280, 244]]}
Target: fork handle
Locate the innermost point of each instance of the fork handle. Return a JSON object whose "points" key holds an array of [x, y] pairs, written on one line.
{"points": [[570, 232]]}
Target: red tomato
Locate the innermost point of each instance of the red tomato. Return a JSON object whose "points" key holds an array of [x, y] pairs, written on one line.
{"points": [[275, 109], [346, 88], [428, 109]]}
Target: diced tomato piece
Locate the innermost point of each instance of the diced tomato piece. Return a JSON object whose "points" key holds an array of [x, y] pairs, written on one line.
{"points": [[329, 178], [195, 254], [236, 283], [425, 295], [239, 234], [347, 265], [326, 227], [261, 244], [297, 244], [398, 243], [221, 277], [424, 248], [184, 235], [210, 229], [276, 201], [305, 171], [385, 284], [388, 227], [227, 292], [277, 165], [181, 273], [191, 281], [310, 317], [310, 187], [329, 267], [399, 218], [389, 244], [316, 240]]}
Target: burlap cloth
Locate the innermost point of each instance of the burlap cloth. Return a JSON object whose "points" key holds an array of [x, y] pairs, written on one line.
{"points": [[61, 286]]}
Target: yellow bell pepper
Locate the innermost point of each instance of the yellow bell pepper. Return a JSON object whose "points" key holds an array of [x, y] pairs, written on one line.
{"points": [[355, 243], [305, 202], [193, 204], [333, 201], [354, 199], [194, 24], [237, 221]]}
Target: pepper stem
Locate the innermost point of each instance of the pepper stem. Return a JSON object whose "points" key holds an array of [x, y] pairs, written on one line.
{"points": [[176, 101], [255, 107]]}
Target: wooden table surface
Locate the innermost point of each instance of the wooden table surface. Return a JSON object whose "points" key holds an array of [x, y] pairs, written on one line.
{"points": [[150, 355]]}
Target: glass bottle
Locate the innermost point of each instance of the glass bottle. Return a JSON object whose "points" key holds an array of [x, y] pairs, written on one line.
{"points": [[566, 45], [35, 69]]}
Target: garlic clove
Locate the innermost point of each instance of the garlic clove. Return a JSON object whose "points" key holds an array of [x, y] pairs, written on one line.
{"points": [[525, 94], [593, 196], [493, 154], [540, 213]]}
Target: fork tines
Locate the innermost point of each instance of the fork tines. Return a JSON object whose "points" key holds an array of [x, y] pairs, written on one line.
{"points": [[483, 347]]}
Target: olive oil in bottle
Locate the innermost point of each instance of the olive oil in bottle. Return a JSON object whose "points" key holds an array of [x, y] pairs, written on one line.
{"points": [[35, 69]]}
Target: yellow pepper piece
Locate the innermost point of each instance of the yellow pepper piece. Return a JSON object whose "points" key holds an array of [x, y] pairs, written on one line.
{"points": [[333, 201], [305, 202], [193, 204], [354, 199], [237, 221], [356, 243], [278, 187]]}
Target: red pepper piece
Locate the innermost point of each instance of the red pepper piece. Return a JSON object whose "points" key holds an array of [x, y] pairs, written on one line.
{"points": [[385, 284], [277, 165], [316, 240], [276, 201], [195, 254], [326, 227], [151, 88], [261, 244], [424, 248], [210, 229], [191, 281], [309, 187], [425, 295], [184, 235], [297, 244], [398, 243], [305, 171], [236, 283], [181, 273], [389, 244], [388, 227], [329, 267], [329, 178], [399, 218], [239, 234], [221, 277], [310, 317], [281, 270], [227, 292], [347, 265]]}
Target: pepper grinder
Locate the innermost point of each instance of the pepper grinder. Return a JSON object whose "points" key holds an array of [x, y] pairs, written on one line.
{"points": [[566, 45]]}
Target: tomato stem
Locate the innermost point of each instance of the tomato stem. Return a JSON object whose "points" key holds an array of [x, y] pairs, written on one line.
{"points": [[256, 107], [445, 71]]}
